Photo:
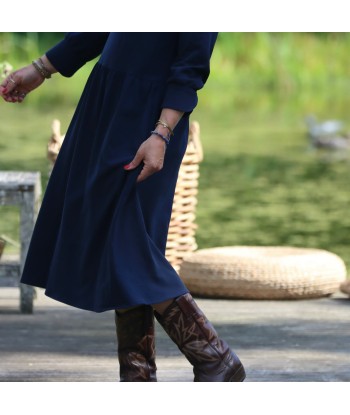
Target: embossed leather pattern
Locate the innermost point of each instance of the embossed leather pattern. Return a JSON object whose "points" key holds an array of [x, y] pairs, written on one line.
{"points": [[136, 344], [211, 357]]}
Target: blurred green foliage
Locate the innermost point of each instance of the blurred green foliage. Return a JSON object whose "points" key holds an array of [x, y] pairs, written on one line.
{"points": [[21, 48], [282, 61]]}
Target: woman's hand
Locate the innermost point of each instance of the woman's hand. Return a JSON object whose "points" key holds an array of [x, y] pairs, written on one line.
{"points": [[18, 84], [151, 152]]}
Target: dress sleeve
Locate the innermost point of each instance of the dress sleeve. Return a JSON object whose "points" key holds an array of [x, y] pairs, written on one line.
{"points": [[75, 50], [189, 71]]}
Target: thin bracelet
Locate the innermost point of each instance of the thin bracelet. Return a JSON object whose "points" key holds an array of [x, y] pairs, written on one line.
{"points": [[45, 68], [161, 136], [165, 125], [41, 69]]}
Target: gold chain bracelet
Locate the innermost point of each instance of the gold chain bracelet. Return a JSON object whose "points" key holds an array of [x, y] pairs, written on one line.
{"points": [[165, 125]]}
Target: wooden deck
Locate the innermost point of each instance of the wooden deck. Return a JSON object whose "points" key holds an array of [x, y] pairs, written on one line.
{"points": [[278, 341]]}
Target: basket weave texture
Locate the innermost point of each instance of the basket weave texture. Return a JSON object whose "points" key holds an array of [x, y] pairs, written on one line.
{"points": [[181, 235], [263, 272]]}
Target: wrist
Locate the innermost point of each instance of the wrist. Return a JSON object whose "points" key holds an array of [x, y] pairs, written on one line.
{"points": [[160, 136], [164, 124], [48, 64], [43, 67], [158, 139], [162, 130]]}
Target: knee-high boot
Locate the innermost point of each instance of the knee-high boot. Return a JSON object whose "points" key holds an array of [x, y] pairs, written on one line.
{"points": [[136, 344], [211, 357]]}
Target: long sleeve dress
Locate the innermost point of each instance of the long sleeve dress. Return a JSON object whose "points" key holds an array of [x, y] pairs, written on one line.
{"points": [[99, 240]]}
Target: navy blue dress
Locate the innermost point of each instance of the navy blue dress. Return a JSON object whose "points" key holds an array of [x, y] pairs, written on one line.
{"points": [[99, 240]]}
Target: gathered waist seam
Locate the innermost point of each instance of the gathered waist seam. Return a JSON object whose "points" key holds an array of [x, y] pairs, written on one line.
{"points": [[142, 76]]}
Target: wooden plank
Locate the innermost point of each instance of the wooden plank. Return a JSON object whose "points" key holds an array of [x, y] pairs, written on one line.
{"points": [[17, 180]]}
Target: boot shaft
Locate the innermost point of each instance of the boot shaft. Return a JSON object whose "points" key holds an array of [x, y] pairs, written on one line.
{"points": [[211, 357], [136, 344]]}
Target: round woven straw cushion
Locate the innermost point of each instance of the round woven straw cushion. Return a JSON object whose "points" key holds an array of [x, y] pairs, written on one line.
{"points": [[263, 272]]}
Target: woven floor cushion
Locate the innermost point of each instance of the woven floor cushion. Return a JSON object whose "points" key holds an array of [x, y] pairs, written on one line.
{"points": [[263, 272]]}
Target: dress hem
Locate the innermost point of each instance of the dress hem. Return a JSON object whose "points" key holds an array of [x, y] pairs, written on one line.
{"points": [[111, 307]]}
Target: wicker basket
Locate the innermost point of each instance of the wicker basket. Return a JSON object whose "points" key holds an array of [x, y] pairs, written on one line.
{"points": [[181, 237], [263, 272], [55, 143]]}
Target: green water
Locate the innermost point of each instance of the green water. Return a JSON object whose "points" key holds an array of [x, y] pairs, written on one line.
{"points": [[261, 181]]}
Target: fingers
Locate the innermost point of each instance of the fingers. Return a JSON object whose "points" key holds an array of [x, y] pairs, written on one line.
{"points": [[150, 168], [135, 162], [146, 172], [14, 96], [21, 97], [9, 84], [151, 153], [10, 89]]}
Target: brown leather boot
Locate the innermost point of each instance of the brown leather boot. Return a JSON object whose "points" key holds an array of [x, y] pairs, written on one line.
{"points": [[136, 344], [211, 357]]}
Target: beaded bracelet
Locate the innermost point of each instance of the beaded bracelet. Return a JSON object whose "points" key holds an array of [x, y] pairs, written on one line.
{"points": [[167, 140], [165, 125]]}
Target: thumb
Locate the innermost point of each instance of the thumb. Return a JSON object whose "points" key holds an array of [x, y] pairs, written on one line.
{"points": [[135, 162]]}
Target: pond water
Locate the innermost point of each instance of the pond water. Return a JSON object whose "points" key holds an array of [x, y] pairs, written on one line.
{"points": [[262, 183]]}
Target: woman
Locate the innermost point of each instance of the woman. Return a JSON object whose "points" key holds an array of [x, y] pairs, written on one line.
{"points": [[100, 236]]}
